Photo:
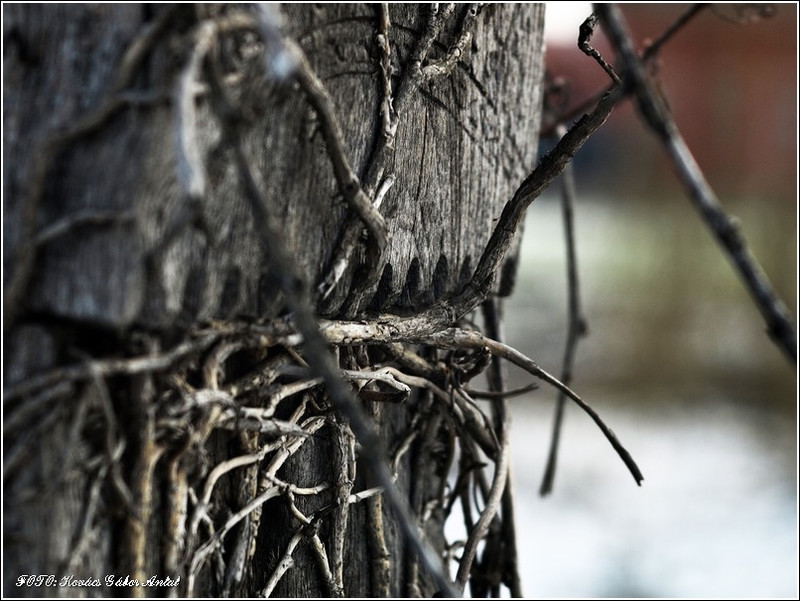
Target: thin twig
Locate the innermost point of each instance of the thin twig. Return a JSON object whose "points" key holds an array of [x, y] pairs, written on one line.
{"points": [[476, 423], [727, 232], [79, 219], [576, 326], [344, 445], [87, 533], [436, 18], [349, 240], [509, 534], [364, 494], [215, 541], [424, 429], [35, 406], [110, 367], [584, 35], [235, 560], [649, 53], [15, 457], [444, 66], [141, 46], [655, 47], [388, 115], [268, 492], [111, 443], [494, 499], [458, 338], [493, 319], [191, 172], [285, 564], [288, 488], [504, 394], [550, 167], [220, 470], [348, 181]]}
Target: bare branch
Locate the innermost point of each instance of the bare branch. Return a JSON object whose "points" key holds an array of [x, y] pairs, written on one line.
{"points": [[576, 326], [727, 232], [550, 167], [436, 18], [584, 35], [493, 319], [501, 394], [283, 453], [388, 115], [285, 564], [344, 445], [364, 494], [293, 489], [335, 588], [213, 543], [680, 23], [457, 338], [649, 53], [348, 181], [79, 219], [34, 407], [87, 533], [112, 446], [379, 552], [109, 367]]}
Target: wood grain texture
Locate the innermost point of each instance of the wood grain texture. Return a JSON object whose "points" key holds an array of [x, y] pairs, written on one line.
{"points": [[135, 259], [463, 145]]}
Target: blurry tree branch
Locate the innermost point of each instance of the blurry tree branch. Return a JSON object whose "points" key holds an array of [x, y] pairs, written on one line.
{"points": [[657, 117]]}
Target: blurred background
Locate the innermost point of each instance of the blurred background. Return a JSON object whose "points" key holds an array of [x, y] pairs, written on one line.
{"points": [[677, 360]]}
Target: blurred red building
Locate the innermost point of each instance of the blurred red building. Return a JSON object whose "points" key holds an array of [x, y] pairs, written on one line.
{"points": [[732, 88]]}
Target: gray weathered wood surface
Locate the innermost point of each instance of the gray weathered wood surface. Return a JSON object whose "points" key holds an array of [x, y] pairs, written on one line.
{"points": [[102, 269], [462, 146]]}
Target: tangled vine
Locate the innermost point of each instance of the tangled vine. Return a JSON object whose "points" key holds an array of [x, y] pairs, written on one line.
{"points": [[272, 388]]}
